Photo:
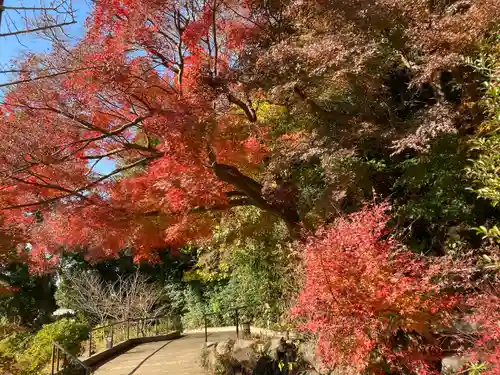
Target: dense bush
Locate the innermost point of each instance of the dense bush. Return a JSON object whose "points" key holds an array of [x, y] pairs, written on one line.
{"points": [[484, 170], [194, 309], [248, 263], [11, 348], [485, 145], [32, 353], [434, 205]]}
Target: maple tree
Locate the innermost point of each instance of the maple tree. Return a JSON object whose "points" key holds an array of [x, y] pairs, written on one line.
{"points": [[372, 303], [486, 315], [146, 98]]}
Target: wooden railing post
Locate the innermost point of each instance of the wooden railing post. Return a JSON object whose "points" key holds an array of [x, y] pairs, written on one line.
{"points": [[237, 325], [109, 338], [60, 354], [112, 335], [206, 328], [57, 359], [90, 343], [128, 329], [52, 359]]}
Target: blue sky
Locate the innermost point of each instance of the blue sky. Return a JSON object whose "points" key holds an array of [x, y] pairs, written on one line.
{"points": [[12, 48]]}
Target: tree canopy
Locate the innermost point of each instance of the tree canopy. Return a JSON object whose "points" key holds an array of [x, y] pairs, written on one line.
{"points": [[186, 101], [253, 130]]}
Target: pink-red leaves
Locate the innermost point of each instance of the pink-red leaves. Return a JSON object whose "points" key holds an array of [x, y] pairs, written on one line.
{"points": [[363, 293]]}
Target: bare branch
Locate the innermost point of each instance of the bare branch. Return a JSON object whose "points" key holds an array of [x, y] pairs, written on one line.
{"points": [[221, 85], [107, 154], [27, 31], [127, 298], [49, 17]]}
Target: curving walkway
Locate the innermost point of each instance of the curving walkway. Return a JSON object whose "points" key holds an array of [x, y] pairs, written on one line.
{"points": [[179, 357]]}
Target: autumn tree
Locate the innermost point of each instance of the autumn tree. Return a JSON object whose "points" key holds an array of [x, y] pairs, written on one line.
{"points": [[370, 303], [158, 112]]}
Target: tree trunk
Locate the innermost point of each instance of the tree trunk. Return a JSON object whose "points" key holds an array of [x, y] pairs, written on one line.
{"points": [[253, 190]]}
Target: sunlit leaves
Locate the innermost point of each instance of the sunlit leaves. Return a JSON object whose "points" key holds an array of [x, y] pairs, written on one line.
{"points": [[137, 98], [363, 291]]}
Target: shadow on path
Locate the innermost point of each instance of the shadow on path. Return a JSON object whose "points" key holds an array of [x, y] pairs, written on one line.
{"points": [[173, 357], [149, 356]]}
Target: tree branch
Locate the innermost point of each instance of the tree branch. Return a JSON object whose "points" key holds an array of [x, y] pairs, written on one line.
{"points": [[214, 36], [251, 188], [218, 83], [220, 207], [27, 31], [86, 187], [39, 77], [107, 154], [46, 186]]}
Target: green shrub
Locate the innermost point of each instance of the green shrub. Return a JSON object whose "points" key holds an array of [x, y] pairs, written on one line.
{"points": [[32, 354], [194, 308], [10, 348], [485, 144]]}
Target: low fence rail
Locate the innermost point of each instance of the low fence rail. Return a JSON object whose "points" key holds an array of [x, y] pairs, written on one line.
{"points": [[64, 360], [240, 316], [106, 337]]}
